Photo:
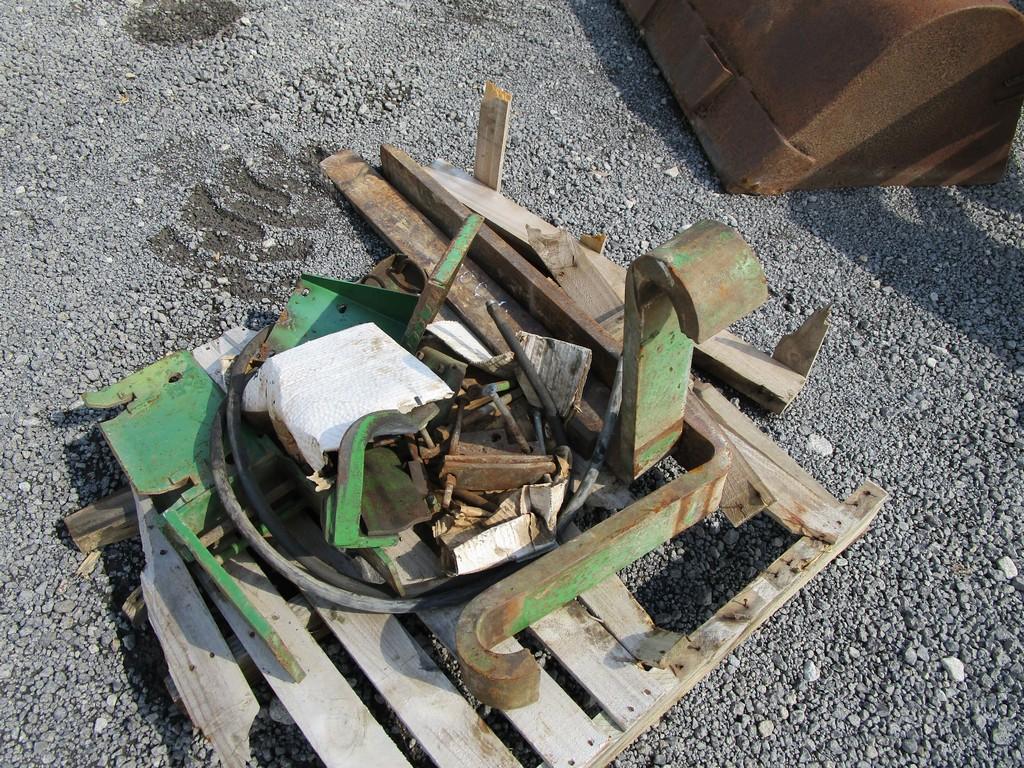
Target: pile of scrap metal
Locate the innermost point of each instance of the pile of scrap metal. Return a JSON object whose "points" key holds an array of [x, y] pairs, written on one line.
{"points": [[458, 407], [800, 94]]}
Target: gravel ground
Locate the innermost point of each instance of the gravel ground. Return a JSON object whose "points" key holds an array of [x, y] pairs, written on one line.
{"points": [[158, 185]]}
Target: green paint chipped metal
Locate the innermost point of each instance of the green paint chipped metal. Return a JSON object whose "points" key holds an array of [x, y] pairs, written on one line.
{"points": [[162, 438], [227, 585], [320, 306], [435, 292]]}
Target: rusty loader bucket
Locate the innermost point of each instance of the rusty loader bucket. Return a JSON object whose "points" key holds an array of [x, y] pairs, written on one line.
{"points": [[804, 94]]}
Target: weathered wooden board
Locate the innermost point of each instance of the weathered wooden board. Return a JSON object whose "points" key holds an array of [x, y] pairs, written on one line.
{"points": [[212, 687], [554, 726], [538, 294], [492, 135], [798, 501], [590, 279], [439, 718], [608, 672], [407, 231], [733, 624], [562, 368], [337, 724], [747, 369], [798, 350], [107, 521]]}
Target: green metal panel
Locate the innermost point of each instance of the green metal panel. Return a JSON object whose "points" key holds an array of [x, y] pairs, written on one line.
{"points": [[320, 306], [162, 438]]}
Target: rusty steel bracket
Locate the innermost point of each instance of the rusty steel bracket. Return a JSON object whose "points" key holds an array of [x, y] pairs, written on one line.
{"points": [[681, 293], [511, 680]]}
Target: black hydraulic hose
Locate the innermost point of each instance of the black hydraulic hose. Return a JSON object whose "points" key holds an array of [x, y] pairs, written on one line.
{"points": [[586, 487], [509, 335], [342, 591]]}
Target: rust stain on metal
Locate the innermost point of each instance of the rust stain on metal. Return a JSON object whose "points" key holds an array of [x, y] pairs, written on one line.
{"points": [[799, 94], [511, 680]]}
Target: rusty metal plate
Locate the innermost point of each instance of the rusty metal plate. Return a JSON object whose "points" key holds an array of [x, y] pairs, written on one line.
{"points": [[800, 94]]}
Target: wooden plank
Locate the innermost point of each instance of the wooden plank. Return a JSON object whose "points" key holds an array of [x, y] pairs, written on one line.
{"points": [[410, 567], [562, 368], [600, 664], [733, 624], [763, 378], [798, 350], [590, 279], [562, 316], [614, 606], [573, 266], [337, 725], [554, 726], [752, 606], [492, 135], [446, 727], [212, 687], [799, 502], [109, 520], [595, 242], [747, 369], [407, 231]]}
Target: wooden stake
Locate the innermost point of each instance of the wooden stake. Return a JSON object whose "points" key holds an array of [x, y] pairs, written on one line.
{"points": [[491, 135]]}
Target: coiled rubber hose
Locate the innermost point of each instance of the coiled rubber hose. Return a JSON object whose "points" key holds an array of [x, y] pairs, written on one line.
{"points": [[307, 572]]}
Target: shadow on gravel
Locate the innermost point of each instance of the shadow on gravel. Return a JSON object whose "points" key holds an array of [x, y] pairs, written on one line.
{"points": [[94, 474], [629, 66], [935, 255], [943, 252], [682, 586]]}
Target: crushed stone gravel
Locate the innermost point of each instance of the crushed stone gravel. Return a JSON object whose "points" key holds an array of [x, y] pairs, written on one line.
{"points": [[158, 185]]}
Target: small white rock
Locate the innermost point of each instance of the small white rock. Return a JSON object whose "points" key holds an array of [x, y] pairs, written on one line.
{"points": [[766, 728], [811, 673], [100, 725], [672, 172], [931, 362], [955, 668], [245, 21], [269, 243], [1008, 567], [279, 714], [819, 445]]}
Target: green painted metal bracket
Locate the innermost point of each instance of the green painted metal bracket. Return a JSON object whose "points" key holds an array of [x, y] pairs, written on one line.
{"points": [[678, 295], [508, 681], [440, 281], [162, 439], [343, 511], [229, 588], [320, 306]]}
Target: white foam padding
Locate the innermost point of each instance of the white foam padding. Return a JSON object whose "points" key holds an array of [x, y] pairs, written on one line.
{"points": [[317, 390]]}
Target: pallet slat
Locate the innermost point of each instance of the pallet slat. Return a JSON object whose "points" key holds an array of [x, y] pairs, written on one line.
{"points": [[600, 664], [772, 589], [337, 724], [212, 687], [443, 723], [554, 726]]}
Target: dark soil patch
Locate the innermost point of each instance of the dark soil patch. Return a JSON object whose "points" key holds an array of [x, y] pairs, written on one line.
{"points": [[173, 22]]}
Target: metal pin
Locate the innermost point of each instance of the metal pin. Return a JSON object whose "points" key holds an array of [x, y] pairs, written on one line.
{"points": [[510, 422]]}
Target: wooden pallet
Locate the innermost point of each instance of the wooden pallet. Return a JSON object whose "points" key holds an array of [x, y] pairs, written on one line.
{"points": [[595, 639]]}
